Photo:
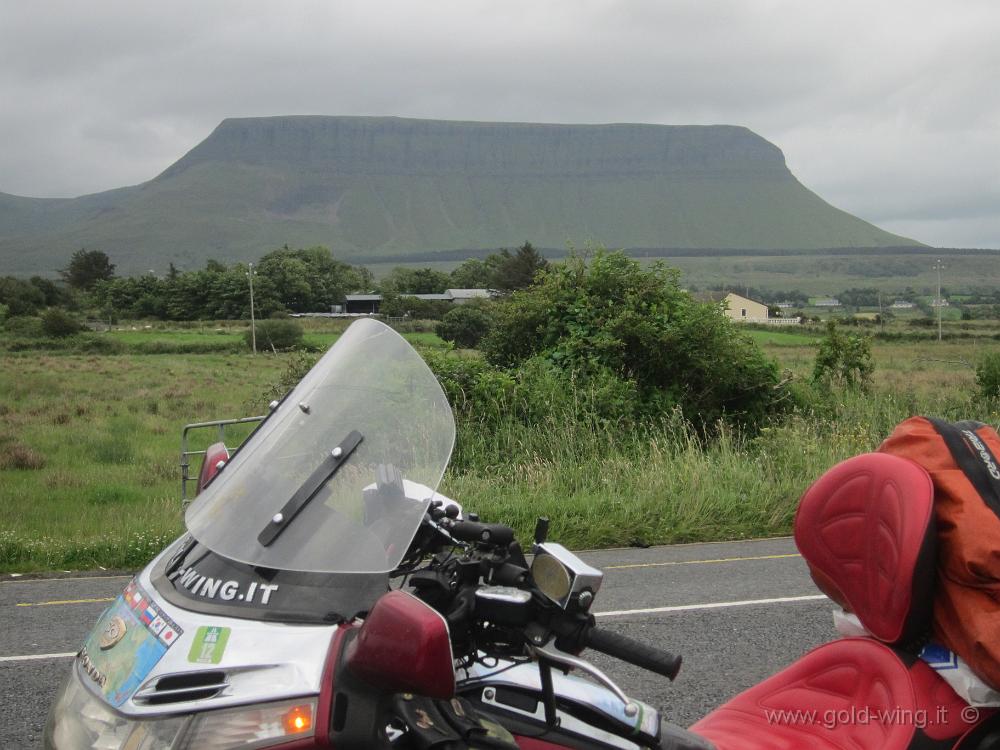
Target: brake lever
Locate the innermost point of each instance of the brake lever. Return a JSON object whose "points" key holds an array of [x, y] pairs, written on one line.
{"points": [[548, 652]]}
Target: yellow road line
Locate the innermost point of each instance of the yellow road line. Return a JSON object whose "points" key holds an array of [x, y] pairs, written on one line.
{"points": [[66, 601], [57, 580], [701, 562]]}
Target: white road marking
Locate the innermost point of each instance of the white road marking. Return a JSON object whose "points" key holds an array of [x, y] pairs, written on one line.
{"points": [[33, 657], [710, 605], [614, 613]]}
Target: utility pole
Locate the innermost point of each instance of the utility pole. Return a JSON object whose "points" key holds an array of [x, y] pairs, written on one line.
{"points": [[253, 322], [938, 266]]}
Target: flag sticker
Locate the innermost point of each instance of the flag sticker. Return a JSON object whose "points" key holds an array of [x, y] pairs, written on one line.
{"points": [[209, 644], [939, 657]]}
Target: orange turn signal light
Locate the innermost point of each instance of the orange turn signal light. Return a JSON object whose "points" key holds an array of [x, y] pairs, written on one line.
{"points": [[298, 719]]}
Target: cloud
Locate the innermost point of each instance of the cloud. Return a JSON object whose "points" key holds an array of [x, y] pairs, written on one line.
{"points": [[884, 109]]}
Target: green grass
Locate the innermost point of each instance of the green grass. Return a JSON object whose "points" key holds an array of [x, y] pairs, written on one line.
{"points": [[107, 430], [784, 337], [89, 453], [830, 274]]}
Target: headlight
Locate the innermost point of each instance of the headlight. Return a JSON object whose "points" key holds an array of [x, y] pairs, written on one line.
{"points": [[563, 577], [262, 725], [80, 721]]}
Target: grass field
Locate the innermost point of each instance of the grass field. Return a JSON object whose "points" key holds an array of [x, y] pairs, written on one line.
{"points": [[89, 450], [815, 275]]}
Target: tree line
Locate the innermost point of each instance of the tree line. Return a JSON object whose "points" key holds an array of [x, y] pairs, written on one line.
{"points": [[285, 280]]}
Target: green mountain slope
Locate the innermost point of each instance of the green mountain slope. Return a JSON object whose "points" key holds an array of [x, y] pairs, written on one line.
{"points": [[381, 187]]}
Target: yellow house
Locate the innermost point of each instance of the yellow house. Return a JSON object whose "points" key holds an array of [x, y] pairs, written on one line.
{"points": [[745, 309]]}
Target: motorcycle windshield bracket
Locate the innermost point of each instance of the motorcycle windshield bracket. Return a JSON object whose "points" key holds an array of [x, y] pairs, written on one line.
{"points": [[307, 491]]}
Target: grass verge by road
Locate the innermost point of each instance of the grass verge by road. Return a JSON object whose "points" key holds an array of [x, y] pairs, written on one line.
{"points": [[89, 454]]}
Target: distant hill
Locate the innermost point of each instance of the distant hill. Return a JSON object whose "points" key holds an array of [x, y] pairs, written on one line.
{"points": [[380, 187]]}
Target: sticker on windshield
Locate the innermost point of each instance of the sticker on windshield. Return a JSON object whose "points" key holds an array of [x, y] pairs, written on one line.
{"points": [[130, 638], [209, 644]]}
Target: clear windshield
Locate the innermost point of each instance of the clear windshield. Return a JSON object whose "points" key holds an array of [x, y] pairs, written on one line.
{"points": [[290, 500]]}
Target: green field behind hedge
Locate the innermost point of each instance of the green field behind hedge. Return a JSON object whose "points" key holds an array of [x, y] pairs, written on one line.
{"points": [[89, 447]]}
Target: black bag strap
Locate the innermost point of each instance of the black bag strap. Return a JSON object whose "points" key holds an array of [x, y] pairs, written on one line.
{"points": [[973, 457]]}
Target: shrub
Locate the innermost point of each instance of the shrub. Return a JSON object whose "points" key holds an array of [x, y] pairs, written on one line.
{"points": [[275, 334], [25, 326], [612, 317], [988, 375], [845, 360], [100, 344], [404, 305], [58, 323], [464, 325], [17, 456]]}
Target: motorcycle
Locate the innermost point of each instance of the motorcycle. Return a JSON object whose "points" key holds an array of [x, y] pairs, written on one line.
{"points": [[326, 595]]}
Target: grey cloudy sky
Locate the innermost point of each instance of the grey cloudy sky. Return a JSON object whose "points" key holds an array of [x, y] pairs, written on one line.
{"points": [[887, 109]]}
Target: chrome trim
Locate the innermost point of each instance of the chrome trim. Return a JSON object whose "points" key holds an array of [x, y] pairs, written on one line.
{"points": [[583, 577], [506, 594], [152, 691], [565, 721], [553, 654], [568, 688]]}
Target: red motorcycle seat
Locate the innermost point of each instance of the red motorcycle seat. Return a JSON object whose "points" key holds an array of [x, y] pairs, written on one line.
{"points": [[866, 530], [852, 694]]}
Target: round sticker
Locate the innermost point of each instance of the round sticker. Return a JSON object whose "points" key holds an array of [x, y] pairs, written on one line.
{"points": [[113, 633]]}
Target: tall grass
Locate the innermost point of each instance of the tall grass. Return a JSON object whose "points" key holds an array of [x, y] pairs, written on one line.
{"points": [[89, 453], [665, 483]]}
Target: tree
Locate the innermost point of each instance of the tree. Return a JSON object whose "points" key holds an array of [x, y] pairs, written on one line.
{"points": [[20, 297], [403, 280], [406, 305], [611, 316], [86, 268], [518, 270], [310, 280], [858, 298], [472, 274], [502, 270], [843, 359], [464, 325], [55, 295]]}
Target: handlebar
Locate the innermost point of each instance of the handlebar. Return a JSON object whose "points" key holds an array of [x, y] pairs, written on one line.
{"points": [[475, 531], [634, 652]]}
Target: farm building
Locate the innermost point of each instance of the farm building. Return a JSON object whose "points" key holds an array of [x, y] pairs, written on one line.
{"points": [[368, 304]]}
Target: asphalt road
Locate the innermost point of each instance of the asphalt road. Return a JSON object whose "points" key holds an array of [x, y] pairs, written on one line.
{"points": [[737, 611]]}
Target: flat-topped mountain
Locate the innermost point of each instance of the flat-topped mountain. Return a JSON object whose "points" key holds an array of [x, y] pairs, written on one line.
{"points": [[377, 187]]}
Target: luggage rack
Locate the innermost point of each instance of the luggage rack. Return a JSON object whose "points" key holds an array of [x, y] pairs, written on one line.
{"points": [[218, 424]]}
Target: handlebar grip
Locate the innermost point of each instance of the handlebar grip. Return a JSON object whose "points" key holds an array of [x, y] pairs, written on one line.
{"points": [[474, 531], [642, 655]]}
